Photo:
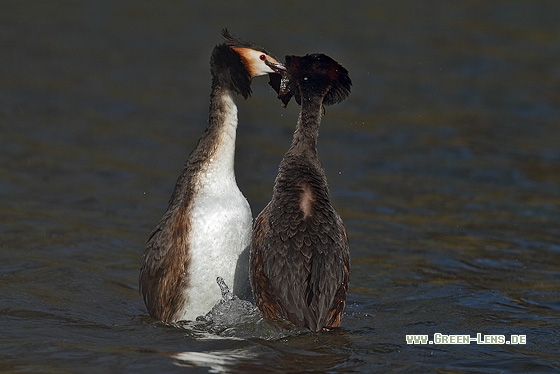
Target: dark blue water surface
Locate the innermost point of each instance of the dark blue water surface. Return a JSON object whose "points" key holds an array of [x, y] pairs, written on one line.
{"points": [[444, 163]]}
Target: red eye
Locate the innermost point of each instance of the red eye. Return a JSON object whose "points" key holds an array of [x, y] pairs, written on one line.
{"points": [[262, 57]]}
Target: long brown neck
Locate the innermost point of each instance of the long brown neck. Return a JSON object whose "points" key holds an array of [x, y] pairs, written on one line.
{"points": [[301, 163], [307, 130]]}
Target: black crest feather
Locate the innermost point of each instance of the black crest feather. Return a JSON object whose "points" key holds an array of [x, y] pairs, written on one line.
{"points": [[316, 74], [228, 67]]}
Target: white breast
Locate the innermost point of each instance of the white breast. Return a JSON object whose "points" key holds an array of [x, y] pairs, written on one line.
{"points": [[220, 233]]}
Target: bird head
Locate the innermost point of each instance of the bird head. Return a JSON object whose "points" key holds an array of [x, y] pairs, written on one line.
{"points": [[236, 62], [312, 75]]}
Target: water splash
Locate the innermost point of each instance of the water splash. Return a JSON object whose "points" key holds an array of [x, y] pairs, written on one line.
{"points": [[232, 317], [230, 310]]}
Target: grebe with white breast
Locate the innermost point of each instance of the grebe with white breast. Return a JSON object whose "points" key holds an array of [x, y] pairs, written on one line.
{"points": [[205, 232]]}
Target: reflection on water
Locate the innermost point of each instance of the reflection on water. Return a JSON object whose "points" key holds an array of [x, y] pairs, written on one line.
{"points": [[217, 361], [443, 162]]}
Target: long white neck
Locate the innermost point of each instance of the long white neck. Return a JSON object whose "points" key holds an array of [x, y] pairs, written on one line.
{"points": [[216, 149]]}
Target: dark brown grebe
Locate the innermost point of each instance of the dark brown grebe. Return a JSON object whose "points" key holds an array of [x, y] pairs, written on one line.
{"points": [[300, 259], [206, 230]]}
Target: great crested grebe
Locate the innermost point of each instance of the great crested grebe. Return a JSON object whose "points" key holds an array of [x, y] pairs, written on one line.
{"points": [[300, 259], [206, 231]]}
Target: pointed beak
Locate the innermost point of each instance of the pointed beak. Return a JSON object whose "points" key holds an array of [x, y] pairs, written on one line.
{"points": [[276, 66]]}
